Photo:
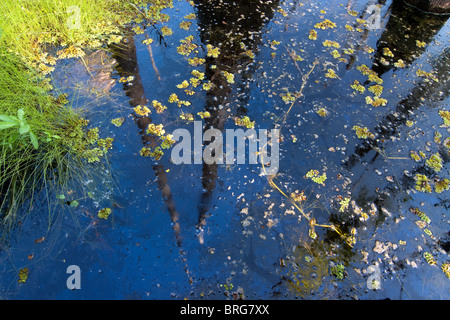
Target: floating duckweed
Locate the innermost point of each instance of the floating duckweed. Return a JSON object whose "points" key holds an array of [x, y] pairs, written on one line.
{"points": [[190, 16], [429, 258], [158, 106], [166, 31], [204, 114], [104, 213], [363, 132], [274, 43], [369, 49], [446, 269], [376, 101], [420, 44], [186, 46], [211, 51], [173, 98], [421, 215], [229, 76], [142, 110], [422, 183], [361, 21], [409, 123], [325, 24], [185, 25], [414, 156], [349, 51], [437, 137], [352, 13], [147, 41], [118, 121], [183, 85], [446, 143], [387, 52], [338, 271], [283, 12], [249, 53], [312, 234], [297, 57], [198, 74], [322, 112], [105, 144], [434, 162], [314, 176], [126, 79], [400, 63], [187, 116], [349, 27], [70, 52], [331, 74], [167, 141], [335, 54], [344, 203], [358, 86], [207, 85], [445, 115], [156, 130], [195, 82], [196, 61], [156, 153], [23, 275], [372, 75], [376, 89], [273, 54], [287, 97], [244, 122], [426, 75], [329, 43], [312, 34], [138, 30]]}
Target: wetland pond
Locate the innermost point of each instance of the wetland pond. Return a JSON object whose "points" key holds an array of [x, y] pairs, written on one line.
{"points": [[358, 208]]}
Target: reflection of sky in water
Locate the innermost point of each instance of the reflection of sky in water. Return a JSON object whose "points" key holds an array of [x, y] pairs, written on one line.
{"points": [[249, 232]]}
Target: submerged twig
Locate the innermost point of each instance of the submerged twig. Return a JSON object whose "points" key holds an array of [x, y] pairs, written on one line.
{"points": [[149, 47]]}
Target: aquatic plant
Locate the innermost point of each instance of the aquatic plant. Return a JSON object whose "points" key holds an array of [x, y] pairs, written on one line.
{"points": [[434, 162], [186, 46], [422, 183], [325, 24], [338, 270], [312, 34], [445, 115], [244, 122], [118, 121], [363, 132], [69, 25], [442, 185], [316, 177], [142, 110], [157, 130], [429, 258], [44, 143], [212, 51], [104, 213], [358, 87]]}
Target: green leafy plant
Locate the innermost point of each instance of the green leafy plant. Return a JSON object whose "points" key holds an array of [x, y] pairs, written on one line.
{"points": [[7, 122]]}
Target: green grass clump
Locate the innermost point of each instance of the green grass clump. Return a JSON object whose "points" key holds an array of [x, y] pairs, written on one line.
{"points": [[44, 143], [31, 28]]}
